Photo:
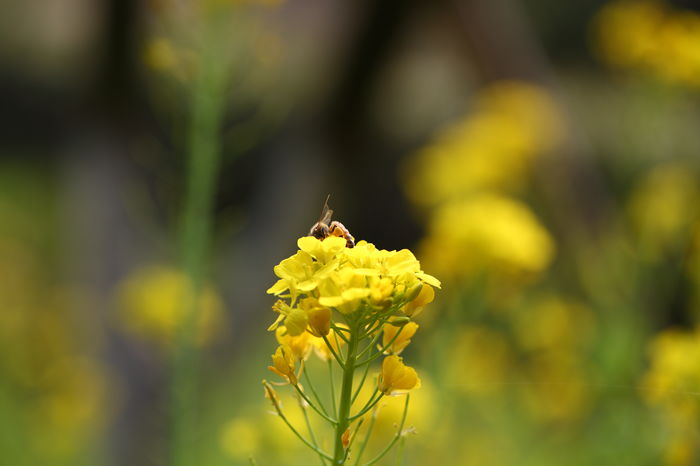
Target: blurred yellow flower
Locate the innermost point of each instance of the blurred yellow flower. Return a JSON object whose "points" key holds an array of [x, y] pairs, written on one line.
{"points": [[487, 232], [152, 305], [650, 36], [240, 438], [396, 376], [321, 348], [663, 206], [491, 148], [482, 359], [671, 385], [555, 387], [552, 323]]}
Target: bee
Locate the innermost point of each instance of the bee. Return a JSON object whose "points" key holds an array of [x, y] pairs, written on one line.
{"points": [[325, 228]]}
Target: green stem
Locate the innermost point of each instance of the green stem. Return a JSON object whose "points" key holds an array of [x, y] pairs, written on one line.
{"points": [[203, 154], [345, 397], [313, 391], [396, 438], [332, 384], [311, 430], [368, 434], [335, 355], [311, 403]]}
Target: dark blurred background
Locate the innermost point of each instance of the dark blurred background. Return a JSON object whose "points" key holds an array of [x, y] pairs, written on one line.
{"points": [[529, 152]]}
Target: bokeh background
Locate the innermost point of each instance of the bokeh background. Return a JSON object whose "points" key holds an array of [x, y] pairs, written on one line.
{"points": [[540, 158]]}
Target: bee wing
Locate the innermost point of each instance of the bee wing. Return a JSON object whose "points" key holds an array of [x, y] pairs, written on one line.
{"points": [[326, 213]]}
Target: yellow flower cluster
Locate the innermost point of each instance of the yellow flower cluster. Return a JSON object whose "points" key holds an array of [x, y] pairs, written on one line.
{"points": [[650, 36], [492, 148], [487, 232], [468, 176], [352, 305], [671, 384], [363, 281], [326, 275], [663, 208], [152, 306]]}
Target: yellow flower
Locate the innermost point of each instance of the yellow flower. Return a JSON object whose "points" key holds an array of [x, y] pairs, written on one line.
{"points": [[152, 305], [652, 37], [380, 291], [321, 348], [425, 297], [283, 363], [663, 206], [490, 149], [319, 317], [294, 319], [398, 341], [344, 290], [300, 345], [325, 252], [488, 232], [240, 438], [396, 376]]}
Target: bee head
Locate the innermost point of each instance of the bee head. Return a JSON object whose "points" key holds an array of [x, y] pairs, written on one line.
{"points": [[319, 231]]}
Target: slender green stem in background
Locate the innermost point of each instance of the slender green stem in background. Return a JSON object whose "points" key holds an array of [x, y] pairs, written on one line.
{"points": [[396, 437], [335, 355], [368, 434], [278, 409], [399, 453], [370, 404], [311, 430], [345, 395], [203, 154], [315, 394], [306, 398]]}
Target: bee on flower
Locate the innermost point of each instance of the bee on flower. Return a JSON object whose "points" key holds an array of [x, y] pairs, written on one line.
{"points": [[351, 304]]}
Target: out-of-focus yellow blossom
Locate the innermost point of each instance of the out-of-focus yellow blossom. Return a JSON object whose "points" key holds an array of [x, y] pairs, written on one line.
{"points": [[321, 348], [555, 387], [481, 360], [240, 438], [671, 385], [650, 36], [301, 345], [675, 366], [492, 148], [663, 206], [283, 363], [553, 323], [160, 55], [396, 376], [487, 232], [394, 342], [152, 305]]}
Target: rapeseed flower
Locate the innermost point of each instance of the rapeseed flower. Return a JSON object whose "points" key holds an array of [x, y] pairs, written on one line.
{"points": [[396, 376], [329, 275], [349, 303], [487, 232], [650, 36], [396, 338], [151, 305], [283, 363]]}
